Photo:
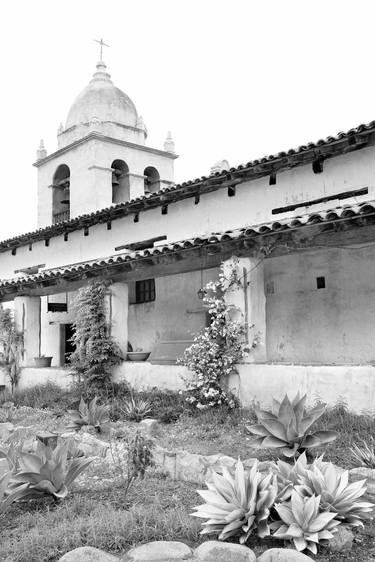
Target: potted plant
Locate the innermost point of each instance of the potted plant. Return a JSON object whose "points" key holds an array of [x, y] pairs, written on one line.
{"points": [[42, 361], [138, 355]]}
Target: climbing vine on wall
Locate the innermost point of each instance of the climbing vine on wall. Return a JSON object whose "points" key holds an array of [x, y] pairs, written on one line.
{"points": [[11, 347], [96, 353], [218, 347]]}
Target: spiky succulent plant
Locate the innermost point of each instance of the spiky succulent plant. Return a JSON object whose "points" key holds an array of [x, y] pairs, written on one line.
{"points": [[288, 476], [286, 427], [46, 472], [239, 504], [364, 455], [7, 496], [302, 523], [89, 413], [337, 495], [136, 409]]}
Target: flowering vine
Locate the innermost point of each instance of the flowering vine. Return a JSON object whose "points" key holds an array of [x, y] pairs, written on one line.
{"points": [[218, 347]]}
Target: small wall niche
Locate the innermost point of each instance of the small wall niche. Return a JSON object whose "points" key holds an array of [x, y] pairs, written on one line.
{"points": [[321, 282]]}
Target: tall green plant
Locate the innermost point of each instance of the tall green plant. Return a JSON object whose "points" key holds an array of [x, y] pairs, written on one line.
{"points": [[11, 346], [96, 353]]}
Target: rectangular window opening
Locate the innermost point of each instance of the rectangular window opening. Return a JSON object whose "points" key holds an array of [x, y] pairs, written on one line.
{"points": [[86, 231], [66, 236], [46, 242], [109, 225], [136, 217], [317, 166], [321, 282], [272, 180], [164, 210], [232, 191], [144, 291]]}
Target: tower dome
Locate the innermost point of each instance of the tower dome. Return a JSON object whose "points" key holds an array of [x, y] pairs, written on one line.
{"points": [[102, 101]]}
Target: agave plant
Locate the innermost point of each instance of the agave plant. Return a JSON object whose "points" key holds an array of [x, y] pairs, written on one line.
{"points": [[337, 495], [286, 427], [7, 496], [47, 472], [303, 524], [136, 409], [12, 455], [364, 455], [239, 504], [89, 414], [288, 476]]}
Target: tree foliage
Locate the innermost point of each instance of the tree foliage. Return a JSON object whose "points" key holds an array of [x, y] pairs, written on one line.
{"points": [[96, 352], [11, 346]]}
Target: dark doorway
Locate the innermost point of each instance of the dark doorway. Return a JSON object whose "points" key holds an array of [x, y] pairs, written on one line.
{"points": [[69, 346]]}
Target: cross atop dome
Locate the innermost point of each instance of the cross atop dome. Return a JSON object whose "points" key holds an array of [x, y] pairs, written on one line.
{"points": [[102, 44]]}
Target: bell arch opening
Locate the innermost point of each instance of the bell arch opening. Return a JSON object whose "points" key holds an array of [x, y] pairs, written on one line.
{"points": [[61, 194], [120, 182], [152, 180]]}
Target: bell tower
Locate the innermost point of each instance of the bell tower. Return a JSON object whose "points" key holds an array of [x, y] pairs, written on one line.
{"points": [[102, 158]]}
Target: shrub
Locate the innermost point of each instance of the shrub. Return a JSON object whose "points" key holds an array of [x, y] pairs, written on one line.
{"points": [[303, 524], [11, 346], [48, 395], [89, 414], [217, 348], [286, 427], [96, 353], [238, 505]]}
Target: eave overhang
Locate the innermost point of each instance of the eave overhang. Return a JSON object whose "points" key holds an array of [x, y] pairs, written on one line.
{"points": [[342, 225]]}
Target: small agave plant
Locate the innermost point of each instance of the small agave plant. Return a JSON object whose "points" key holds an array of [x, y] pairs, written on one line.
{"points": [[289, 475], [89, 414], [7, 497], [337, 495], [302, 523], [239, 504], [136, 409], [286, 427], [46, 473]]}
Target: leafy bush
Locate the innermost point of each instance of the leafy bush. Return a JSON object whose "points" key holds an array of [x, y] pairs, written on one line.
{"points": [[46, 473], [303, 523], [217, 348], [133, 460], [96, 353], [11, 346], [238, 505], [286, 427], [89, 414]]}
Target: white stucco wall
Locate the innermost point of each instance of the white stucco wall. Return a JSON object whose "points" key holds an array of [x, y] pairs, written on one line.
{"points": [[216, 211], [335, 325], [176, 314]]}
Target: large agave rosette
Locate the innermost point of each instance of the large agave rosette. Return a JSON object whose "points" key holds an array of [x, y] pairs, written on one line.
{"points": [[239, 504], [336, 494], [303, 524]]}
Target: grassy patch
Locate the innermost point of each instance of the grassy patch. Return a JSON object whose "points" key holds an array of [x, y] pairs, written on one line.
{"points": [[155, 509]]}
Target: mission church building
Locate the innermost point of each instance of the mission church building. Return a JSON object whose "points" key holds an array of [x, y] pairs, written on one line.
{"points": [[302, 224]]}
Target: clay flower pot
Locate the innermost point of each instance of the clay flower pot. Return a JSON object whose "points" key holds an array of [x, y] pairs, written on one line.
{"points": [[42, 361]]}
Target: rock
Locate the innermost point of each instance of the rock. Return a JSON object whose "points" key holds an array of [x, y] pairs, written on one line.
{"points": [[47, 438], [88, 554], [150, 427], [158, 551], [6, 428], [342, 540], [89, 445], [216, 551], [283, 555]]}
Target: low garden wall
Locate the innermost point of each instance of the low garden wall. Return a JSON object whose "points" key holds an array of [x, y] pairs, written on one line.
{"points": [[353, 384]]}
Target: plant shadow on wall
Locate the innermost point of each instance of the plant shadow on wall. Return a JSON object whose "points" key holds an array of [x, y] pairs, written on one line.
{"points": [[220, 346], [96, 353], [11, 347]]}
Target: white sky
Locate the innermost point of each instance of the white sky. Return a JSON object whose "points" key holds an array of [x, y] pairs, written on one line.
{"points": [[234, 79]]}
